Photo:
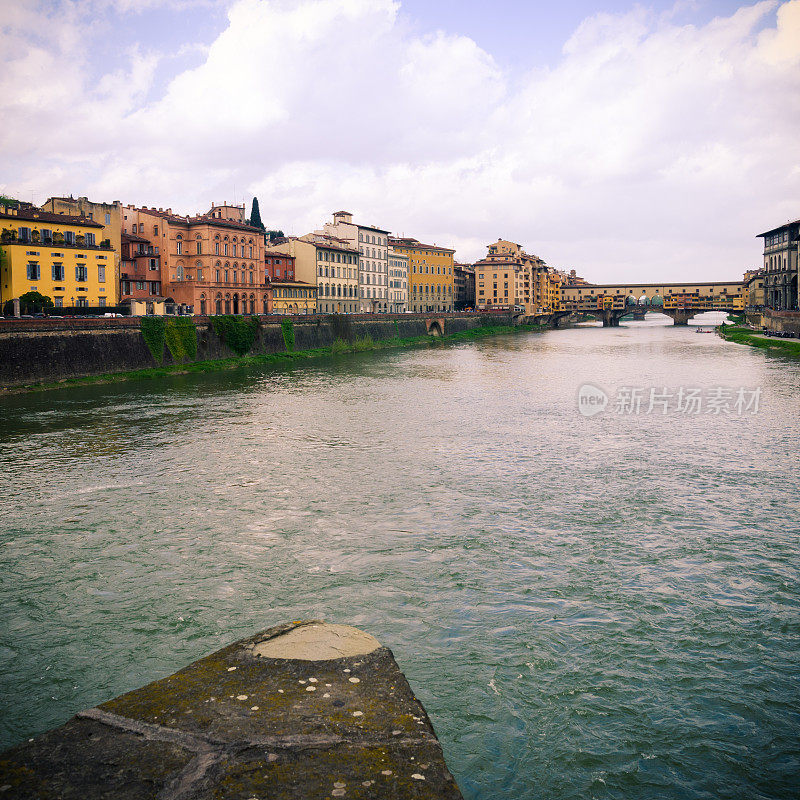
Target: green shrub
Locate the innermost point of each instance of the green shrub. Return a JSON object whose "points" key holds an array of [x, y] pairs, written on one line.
{"points": [[340, 346], [287, 327], [363, 343], [153, 332], [238, 333], [180, 336]]}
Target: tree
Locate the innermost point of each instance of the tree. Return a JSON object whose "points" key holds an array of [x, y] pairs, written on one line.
{"points": [[271, 235], [34, 302], [255, 215]]}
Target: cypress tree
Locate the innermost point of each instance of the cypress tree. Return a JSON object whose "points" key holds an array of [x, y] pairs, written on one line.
{"points": [[255, 215]]}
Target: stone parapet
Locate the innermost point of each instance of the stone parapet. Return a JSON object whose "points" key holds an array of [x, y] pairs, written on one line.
{"points": [[305, 710]]}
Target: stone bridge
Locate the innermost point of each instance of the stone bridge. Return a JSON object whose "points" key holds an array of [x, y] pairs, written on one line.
{"points": [[681, 301]]}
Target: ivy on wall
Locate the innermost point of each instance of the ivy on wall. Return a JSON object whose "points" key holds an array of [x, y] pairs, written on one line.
{"points": [[180, 336], [153, 332], [238, 333], [287, 327]]}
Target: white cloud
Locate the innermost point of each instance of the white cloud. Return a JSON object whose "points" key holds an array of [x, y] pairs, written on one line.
{"points": [[649, 149]]}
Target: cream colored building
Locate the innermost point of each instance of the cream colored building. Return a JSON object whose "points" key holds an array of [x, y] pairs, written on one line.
{"points": [[398, 281], [330, 264], [373, 248]]}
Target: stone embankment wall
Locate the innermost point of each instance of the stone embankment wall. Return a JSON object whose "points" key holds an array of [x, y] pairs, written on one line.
{"points": [[783, 321], [49, 350]]}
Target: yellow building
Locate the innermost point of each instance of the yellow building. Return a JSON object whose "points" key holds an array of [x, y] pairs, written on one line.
{"points": [[293, 297], [109, 215], [431, 282], [753, 289], [56, 255], [553, 298]]}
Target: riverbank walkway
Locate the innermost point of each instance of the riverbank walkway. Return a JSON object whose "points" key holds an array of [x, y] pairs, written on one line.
{"points": [[303, 710]]}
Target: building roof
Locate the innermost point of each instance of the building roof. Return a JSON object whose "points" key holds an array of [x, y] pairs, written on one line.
{"points": [[329, 242], [779, 228], [653, 285], [284, 282], [370, 228], [417, 245], [198, 219], [29, 213], [131, 237]]}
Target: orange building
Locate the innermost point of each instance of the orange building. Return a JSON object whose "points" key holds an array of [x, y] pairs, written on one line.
{"points": [[509, 277], [140, 270], [211, 263]]}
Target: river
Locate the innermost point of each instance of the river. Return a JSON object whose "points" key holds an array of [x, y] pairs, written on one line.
{"points": [[596, 606]]}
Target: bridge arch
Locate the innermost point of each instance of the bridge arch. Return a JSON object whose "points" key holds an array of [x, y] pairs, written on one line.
{"points": [[434, 327]]}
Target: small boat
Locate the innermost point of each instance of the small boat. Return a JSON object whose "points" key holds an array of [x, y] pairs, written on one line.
{"points": [[704, 330]]}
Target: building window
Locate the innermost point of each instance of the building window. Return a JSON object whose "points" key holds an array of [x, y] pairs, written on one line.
{"points": [[179, 246], [199, 247], [101, 301], [81, 273], [101, 273], [33, 271], [58, 272], [90, 240]]}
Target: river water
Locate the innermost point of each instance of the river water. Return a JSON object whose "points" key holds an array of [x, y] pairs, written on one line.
{"points": [[588, 607]]}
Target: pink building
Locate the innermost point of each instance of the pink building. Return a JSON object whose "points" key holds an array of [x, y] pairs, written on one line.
{"points": [[211, 263]]}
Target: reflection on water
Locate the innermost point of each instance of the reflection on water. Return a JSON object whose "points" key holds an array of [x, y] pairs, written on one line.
{"points": [[600, 607]]}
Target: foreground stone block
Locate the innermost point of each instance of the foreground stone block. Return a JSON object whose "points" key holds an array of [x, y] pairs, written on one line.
{"points": [[306, 710]]}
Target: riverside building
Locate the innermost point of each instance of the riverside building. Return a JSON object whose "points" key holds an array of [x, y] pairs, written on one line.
{"points": [[329, 264], [373, 262], [398, 282], [58, 255], [140, 271], [464, 286], [431, 284], [109, 215], [509, 277], [211, 263], [781, 251], [293, 297]]}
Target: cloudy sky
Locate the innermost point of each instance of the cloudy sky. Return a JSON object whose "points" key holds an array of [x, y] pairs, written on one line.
{"points": [[627, 141]]}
